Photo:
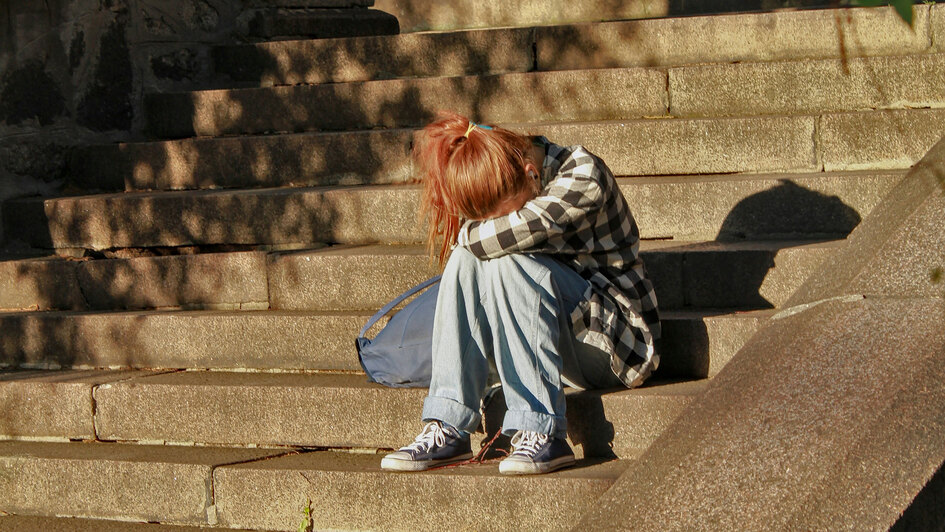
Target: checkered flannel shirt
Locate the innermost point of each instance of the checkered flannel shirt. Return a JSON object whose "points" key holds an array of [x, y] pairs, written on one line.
{"points": [[582, 219]]}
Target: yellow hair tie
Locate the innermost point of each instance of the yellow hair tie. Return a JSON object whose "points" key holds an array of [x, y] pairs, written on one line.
{"points": [[472, 126]]}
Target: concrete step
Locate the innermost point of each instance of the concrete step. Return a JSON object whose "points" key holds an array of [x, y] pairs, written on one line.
{"points": [[752, 207], [350, 492], [757, 275], [268, 490], [313, 410], [685, 275], [504, 98], [807, 143], [697, 344], [34, 523], [235, 280], [660, 42], [742, 89], [171, 485], [52, 405], [418, 15], [320, 23]]}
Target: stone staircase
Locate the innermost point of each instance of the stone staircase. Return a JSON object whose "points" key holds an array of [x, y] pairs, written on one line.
{"points": [[178, 332]]}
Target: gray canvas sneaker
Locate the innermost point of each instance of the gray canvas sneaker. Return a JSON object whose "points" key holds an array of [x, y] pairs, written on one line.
{"points": [[535, 453], [438, 444]]}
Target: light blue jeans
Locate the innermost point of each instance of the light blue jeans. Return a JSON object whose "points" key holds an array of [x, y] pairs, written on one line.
{"points": [[513, 311]]}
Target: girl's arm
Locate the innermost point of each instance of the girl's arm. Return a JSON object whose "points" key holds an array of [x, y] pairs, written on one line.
{"points": [[560, 220]]}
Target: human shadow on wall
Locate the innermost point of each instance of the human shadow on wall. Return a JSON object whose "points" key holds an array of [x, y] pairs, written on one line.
{"points": [[779, 217]]}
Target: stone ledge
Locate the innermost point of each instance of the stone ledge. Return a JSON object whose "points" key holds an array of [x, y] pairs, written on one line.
{"points": [[351, 492], [778, 36], [348, 412], [882, 139], [58, 405], [811, 205], [113, 481], [809, 87]]}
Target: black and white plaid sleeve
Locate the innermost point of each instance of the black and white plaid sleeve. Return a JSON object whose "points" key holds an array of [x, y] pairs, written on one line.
{"points": [[558, 221]]}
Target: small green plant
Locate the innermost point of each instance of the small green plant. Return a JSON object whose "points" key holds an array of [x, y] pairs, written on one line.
{"points": [[903, 7], [307, 525]]}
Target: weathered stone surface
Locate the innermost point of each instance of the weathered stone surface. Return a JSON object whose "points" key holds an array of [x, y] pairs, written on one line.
{"points": [[260, 408], [29, 92], [749, 275], [349, 491], [825, 402], [113, 481], [291, 409], [696, 344], [322, 23], [44, 404], [39, 284], [624, 423], [367, 157], [32, 523], [699, 345], [815, 404], [702, 146], [215, 280], [178, 65], [366, 58], [896, 251], [420, 15], [808, 87], [882, 139], [345, 277], [683, 208], [196, 339], [705, 275], [755, 207], [313, 3], [518, 97], [775, 36], [209, 280], [286, 216], [107, 102], [938, 27]]}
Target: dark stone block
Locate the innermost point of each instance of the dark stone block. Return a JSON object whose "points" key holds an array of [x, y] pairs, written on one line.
{"points": [[176, 66], [76, 50], [42, 160], [107, 103], [29, 92]]}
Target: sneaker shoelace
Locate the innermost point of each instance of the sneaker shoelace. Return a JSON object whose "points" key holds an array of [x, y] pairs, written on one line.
{"points": [[432, 434], [528, 443]]}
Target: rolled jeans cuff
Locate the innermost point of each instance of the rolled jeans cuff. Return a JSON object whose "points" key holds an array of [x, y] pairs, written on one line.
{"points": [[450, 412], [515, 420]]}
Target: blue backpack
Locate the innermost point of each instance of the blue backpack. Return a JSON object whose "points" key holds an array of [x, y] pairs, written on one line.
{"points": [[401, 355]]}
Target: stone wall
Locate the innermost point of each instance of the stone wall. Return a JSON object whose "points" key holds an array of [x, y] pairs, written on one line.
{"points": [[73, 72]]}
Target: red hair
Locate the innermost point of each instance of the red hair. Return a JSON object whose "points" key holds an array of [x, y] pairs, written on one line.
{"points": [[466, 176]]}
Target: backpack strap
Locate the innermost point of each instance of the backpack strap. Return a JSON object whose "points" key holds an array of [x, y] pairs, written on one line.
{"points": [[397, 300]]}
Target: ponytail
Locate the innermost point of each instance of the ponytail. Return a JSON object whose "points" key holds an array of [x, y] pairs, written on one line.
{"points": [[466, 170]]}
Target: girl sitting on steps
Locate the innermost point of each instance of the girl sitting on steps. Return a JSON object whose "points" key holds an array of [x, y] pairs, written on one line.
{"points": [[542, 278]]}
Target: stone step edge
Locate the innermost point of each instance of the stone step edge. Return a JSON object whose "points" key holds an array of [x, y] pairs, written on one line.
{"points": [[670, 93], [644, 68], [623, 181], [538, 61], [114, 416], [137, 486], [674, 314], [842, 60], [823, 152], [205, 281]]}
